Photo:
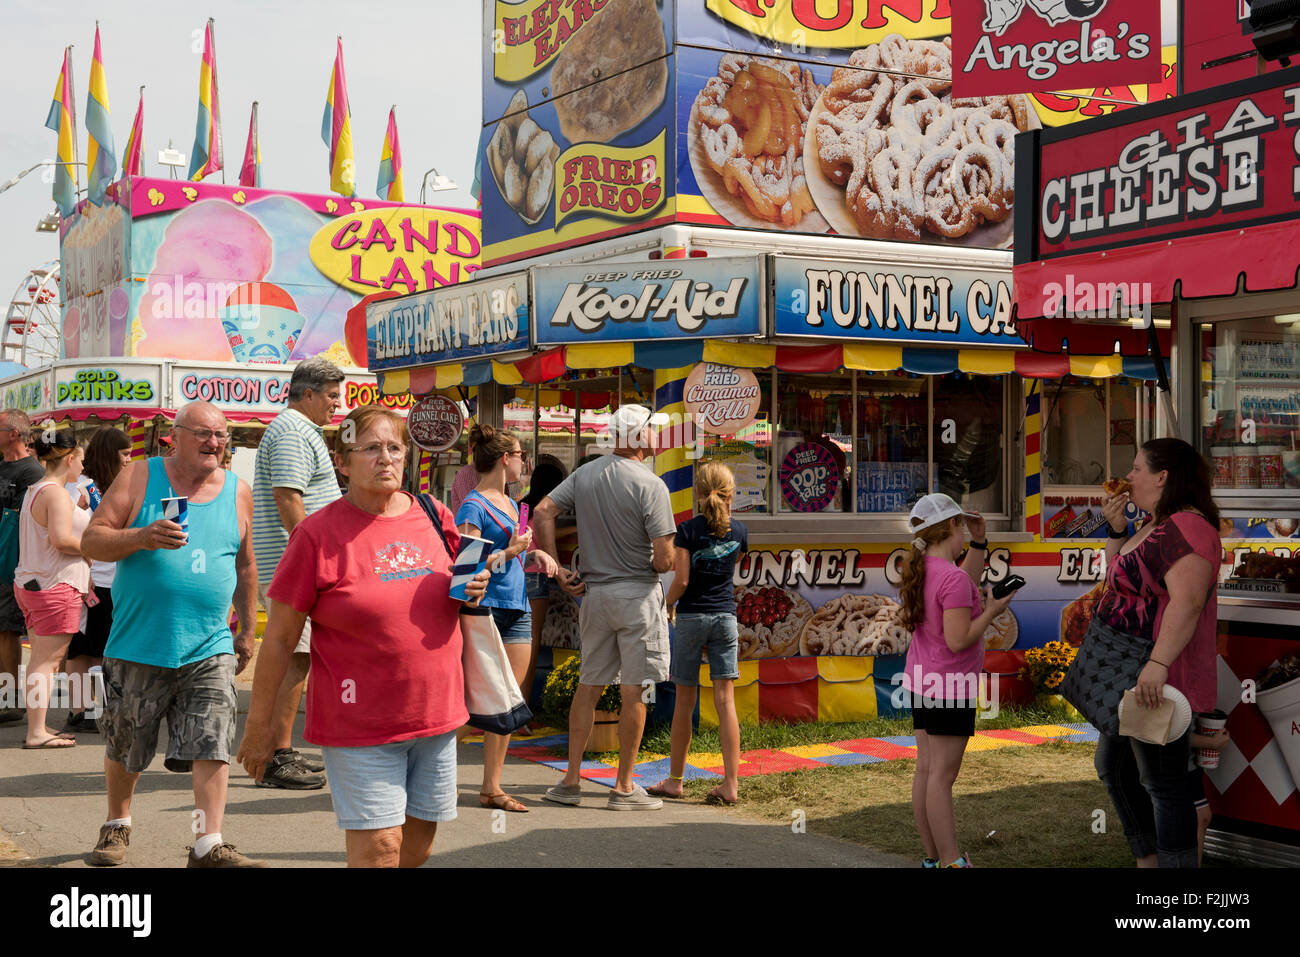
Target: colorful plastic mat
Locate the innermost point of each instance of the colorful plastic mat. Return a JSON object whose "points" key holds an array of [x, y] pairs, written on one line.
{"points": [[540, 748]]}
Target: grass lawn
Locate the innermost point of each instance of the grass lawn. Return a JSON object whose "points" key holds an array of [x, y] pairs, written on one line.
{"points": [[1015, 807]]}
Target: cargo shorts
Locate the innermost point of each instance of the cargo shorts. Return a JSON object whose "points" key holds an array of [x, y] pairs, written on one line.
{"points": [[198, 701], [623, 634]]}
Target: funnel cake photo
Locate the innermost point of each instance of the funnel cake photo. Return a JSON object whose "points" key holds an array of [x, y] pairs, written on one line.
{"points": [[770, 621], [746, 133], [890, 155]]}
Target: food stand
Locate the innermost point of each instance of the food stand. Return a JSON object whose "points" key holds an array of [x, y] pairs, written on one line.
{"points": [[175, 291], [653, 246], [1184, 214]]}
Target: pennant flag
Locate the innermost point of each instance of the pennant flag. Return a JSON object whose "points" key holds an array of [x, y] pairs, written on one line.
{"points": [[336, 131], [101, 161], [250, 174], [390, 164], [476, 188], [205, 158], [133, 158], [63, 120]]}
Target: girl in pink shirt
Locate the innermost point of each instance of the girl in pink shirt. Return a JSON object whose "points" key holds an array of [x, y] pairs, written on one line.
{"points": [[941, 605]]}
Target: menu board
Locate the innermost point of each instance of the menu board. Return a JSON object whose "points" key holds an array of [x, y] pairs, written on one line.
{"points": [[749, 466]]}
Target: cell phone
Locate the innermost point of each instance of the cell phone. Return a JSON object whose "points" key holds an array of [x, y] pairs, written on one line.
{"points": [[523, 517], [32, 585], [1005, 587]]}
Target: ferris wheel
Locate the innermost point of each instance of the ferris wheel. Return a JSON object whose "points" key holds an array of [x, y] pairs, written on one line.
{"points": [[33, 328]]}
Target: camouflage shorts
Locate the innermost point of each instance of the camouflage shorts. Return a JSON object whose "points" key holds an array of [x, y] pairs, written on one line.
{"points": [[198, 701]]}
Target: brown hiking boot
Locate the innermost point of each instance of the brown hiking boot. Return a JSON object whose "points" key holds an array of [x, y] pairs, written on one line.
{"points": [[111, 849], [223, 855]]}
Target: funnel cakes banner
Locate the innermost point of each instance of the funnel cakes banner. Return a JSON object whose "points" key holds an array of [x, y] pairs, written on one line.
{"points": [[205, 272]]}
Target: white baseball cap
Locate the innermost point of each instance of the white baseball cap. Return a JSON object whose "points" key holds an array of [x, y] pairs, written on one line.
{"points": [[933, 509], [628, 421]]}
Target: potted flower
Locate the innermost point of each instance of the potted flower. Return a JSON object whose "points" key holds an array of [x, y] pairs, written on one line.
{"points": [[557, 699], [1045, 669]]}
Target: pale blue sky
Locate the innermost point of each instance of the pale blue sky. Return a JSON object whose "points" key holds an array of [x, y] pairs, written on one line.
{"points": [[422, 55]]}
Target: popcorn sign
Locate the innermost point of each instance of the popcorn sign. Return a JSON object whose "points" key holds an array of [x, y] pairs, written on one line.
{"points": [[809, 477], [722, 400]]}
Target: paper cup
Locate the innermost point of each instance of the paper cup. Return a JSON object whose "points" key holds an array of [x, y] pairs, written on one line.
{"points": [[470, 560], [1280, 706], [1208, 758], [177, 510]]}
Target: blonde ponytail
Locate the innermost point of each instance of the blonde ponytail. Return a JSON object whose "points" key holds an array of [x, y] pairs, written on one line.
{"points": [[911, 592], [715, 487]]}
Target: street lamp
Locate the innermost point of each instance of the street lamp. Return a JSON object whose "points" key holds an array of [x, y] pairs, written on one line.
{"points": [[439, 183], [35, 166], [49, 223]]}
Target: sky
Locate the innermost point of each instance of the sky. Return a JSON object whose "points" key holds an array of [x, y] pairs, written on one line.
{"points": [[424, 56]]}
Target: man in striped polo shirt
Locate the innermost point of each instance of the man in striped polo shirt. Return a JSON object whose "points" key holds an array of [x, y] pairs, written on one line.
{"points": [[293, 477]]}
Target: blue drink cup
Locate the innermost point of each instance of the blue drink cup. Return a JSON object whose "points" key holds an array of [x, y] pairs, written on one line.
{"points": [[470, 560], [178, 510], [93, 495]]}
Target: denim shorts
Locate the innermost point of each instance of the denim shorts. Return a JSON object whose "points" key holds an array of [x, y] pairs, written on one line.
{"points": [[377, 786], [693, 635], [538, 585], [514, 624]]}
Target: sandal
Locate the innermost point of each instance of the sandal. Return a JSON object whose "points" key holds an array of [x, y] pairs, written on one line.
{"points": [[502, 802], [658, 790], [716, 797], [48, 744]]}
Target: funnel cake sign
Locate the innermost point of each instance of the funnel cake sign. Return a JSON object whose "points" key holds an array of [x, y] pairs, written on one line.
{"points": [[1030, 46]]}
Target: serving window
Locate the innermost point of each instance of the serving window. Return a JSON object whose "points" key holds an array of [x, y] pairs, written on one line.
{"points": [[1249, 394], [849, 443]]}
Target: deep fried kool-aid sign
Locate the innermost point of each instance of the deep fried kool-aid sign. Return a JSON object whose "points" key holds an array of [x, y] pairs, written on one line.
{"points": [[809, 477], [435, 423], [722, 400]]}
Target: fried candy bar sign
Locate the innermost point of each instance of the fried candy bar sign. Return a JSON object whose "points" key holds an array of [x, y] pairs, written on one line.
{"points": [[612, 181], [1028, 46], [722, 400]]}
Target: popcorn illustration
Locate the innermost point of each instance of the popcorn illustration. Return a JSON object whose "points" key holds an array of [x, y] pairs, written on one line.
{"points": [[238, 196], [155, 197], [332, 206], [190, 193], [357, 206]]}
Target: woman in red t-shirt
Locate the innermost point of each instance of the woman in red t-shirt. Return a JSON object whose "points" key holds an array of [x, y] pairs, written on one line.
{"points": [[1160, 585], [387, 692]]}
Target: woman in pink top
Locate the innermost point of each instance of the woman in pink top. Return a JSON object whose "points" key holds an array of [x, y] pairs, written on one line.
{"points": [[387, 692], [1160, 585], [941, 605], [51, 578]]}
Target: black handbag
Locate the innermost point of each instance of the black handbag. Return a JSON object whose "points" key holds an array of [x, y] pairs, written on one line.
{"points": [[1107, 665]]}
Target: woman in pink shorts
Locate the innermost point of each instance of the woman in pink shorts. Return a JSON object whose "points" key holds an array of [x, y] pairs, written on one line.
{"points": [[51, 578]]}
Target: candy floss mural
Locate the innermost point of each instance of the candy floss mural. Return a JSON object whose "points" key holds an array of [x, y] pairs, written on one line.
{"points": [[171, 269]]}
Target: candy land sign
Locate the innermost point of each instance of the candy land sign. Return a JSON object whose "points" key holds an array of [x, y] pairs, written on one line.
{"points": [[402, 248], [435, 423], [722, 400], [809, 477]]}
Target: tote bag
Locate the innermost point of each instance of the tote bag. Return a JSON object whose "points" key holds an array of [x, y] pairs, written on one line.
{"points": [[492, 696], [1107, 665]]}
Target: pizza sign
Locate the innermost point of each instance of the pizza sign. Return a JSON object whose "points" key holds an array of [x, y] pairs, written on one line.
{"points": [[809, 477], [435, 423]]}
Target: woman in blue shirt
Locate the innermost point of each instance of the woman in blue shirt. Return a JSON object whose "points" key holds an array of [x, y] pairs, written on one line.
{"points": [[488, 512]]}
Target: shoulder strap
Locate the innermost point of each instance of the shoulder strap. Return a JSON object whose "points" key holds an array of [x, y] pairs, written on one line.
{"points": [[434, 509], [490, 510]]}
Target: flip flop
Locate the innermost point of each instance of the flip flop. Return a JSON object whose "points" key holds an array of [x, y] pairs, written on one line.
{"points": [[658, 790], [715, 797], [46, 745], [502, 802]]}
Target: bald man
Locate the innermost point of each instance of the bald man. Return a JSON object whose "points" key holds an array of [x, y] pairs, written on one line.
{"points": [[170, 653]]}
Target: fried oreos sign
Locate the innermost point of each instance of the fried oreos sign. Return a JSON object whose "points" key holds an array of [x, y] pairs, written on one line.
{"points": [[633, 302]]}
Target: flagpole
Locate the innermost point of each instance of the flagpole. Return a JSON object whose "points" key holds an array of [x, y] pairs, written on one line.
{"points": [[72, 113], [216, 97]]}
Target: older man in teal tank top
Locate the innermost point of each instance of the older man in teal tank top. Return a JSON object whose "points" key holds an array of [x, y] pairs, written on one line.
{"points": [[170, 653]]}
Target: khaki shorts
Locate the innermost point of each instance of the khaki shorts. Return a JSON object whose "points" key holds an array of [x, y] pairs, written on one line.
{"points": [[623, 632], [304, 641]]}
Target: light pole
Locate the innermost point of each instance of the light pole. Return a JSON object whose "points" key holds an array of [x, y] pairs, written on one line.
{"points": [[440, 182], [35, 166]]}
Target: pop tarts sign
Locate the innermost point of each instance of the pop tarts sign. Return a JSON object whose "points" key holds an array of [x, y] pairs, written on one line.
{"points": [[633, 302]]}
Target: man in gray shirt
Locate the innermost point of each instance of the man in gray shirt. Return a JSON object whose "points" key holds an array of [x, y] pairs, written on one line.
{"points": [[625, 541]]}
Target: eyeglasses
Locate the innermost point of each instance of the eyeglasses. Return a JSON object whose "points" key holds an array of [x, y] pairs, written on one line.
{"points": [[374, 450], [203, 435]]}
